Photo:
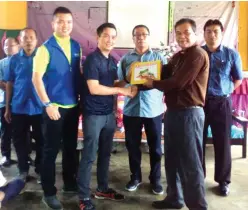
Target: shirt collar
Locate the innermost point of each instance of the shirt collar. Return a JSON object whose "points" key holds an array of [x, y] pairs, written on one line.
{"points": [[100, 53], [220, 48], [22, 53], [135, 52], [65, 40]]}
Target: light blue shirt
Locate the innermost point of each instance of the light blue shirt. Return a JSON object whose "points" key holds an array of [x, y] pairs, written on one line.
{"points": [[146, 103], [3, 67]]}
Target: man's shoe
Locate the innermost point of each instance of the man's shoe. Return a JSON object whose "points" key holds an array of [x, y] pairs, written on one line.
{"points": [[23, 176], [86, 205], [224, 189], [7, 162], [30, 161], [132, 185], [109, 194], [70, 188], [52, 202], [164, 204], [157, 189]]}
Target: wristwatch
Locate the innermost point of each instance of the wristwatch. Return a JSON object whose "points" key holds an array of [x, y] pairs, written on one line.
{"points": [[46, 104]]}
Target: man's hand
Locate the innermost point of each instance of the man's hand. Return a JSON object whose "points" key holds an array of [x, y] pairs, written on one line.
{"points": [[127, 91], [7, 115], [149, 83], [134, 90], [53, 112]]}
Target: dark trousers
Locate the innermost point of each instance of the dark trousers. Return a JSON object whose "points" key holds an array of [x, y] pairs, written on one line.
{"points": [[133, 133], [183, 150], [98, 136], [6, 134], [218, 111], [65, 129], [21, 127]]}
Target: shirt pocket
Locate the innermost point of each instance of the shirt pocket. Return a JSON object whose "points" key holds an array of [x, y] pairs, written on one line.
{"points": [[223, 67]]}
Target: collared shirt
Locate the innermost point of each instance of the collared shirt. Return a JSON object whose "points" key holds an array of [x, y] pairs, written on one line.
{"points": [[98, 67], [185, 78], [3, 67], [146, 103], [41, 60], [225, 66], [24, 97]]}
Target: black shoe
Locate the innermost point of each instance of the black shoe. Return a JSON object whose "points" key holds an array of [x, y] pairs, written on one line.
{"points": [[70, 188], [157, 189], [86, 205], [224, 189], [24, 176], [30, 161], [52, 202], [7, 162], [132, 185], [164, 204]]}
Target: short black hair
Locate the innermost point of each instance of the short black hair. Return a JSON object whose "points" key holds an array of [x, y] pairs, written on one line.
{"points": [[140, 26], [186, 20], [28, 28], [62, 10], [101, 28], [13, 38], [211, 22]]}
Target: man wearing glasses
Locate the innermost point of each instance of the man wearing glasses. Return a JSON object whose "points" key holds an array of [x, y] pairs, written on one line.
{"points": [[11, 47], [145, 109]]}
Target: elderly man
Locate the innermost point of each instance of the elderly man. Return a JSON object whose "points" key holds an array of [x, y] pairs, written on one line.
{"points": [[184, 85]]}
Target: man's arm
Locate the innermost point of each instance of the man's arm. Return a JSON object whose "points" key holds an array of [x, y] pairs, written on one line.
{"points": [[40, 63], [236, 71], [185, 74], [9, 91], [237, 83], [2, 83]]}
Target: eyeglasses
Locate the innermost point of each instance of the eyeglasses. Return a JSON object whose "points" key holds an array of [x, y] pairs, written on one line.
{"points": [[141, 35]]}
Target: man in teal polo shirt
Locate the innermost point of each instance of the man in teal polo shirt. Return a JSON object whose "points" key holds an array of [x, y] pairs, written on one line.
{"points": [[56, 70], [145, 109], [26, 107]]}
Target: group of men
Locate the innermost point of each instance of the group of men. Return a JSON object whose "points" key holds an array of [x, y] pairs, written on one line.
{"points": [[43, 87]]}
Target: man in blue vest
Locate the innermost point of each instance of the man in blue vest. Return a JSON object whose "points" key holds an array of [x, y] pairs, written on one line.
{"points": [[11, 47], [55, 73], [26, 107]]}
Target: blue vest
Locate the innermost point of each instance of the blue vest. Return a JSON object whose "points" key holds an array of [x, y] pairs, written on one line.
{"points": [[61, 77]]}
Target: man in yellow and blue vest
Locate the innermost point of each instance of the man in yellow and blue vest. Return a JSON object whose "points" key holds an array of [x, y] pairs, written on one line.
{"points": [[55, 74], [23, 106]]}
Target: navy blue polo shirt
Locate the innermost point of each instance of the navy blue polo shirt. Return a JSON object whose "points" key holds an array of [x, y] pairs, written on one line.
{"points": [[98, 67], [225, 66]]}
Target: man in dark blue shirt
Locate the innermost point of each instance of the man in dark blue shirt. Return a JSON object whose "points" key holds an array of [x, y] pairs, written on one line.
{"points": [[224, 77], [100, 86]]}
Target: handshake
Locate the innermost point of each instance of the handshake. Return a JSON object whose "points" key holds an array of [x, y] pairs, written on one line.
{"points": [[130, 91]]}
